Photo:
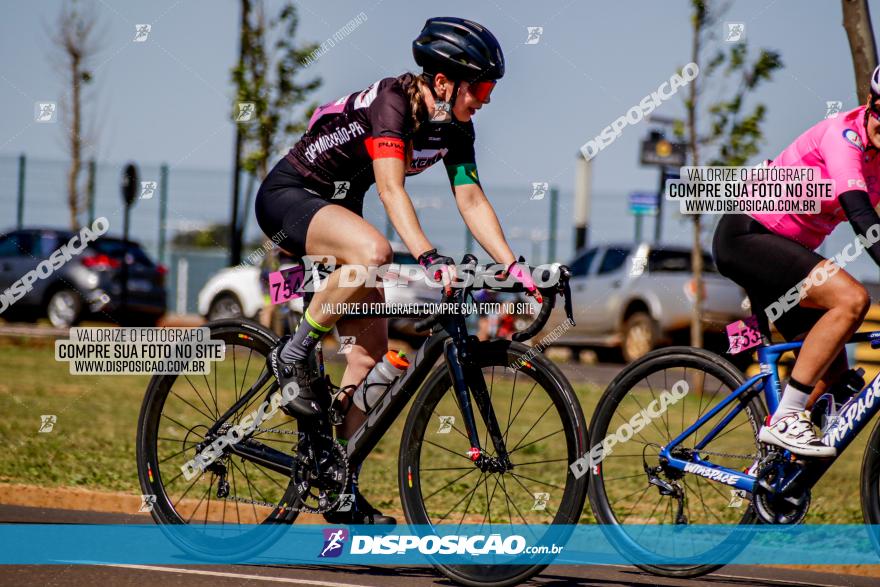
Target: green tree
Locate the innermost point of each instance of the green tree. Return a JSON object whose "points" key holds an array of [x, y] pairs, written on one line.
{"points": [[266, 75], [721, 129]]}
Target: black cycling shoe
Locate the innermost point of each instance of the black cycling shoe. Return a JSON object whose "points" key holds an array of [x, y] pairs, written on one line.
{"points": [[361, 512], [305, 403]]}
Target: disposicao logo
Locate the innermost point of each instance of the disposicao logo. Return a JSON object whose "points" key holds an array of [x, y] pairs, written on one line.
{"points": [[334, 539]]}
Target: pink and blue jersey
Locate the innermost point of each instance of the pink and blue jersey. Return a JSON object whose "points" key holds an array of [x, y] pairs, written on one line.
{"points": [[839, 148]]}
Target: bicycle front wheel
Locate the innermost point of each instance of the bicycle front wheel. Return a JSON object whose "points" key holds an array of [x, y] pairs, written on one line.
{"points": [[544, 431], [631, 491]]}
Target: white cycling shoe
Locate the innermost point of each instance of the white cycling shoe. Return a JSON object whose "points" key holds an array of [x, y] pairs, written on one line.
{"points": [[795, 433]]}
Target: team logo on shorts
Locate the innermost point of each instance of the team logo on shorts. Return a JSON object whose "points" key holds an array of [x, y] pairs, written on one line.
{"points": [[853, 138]]}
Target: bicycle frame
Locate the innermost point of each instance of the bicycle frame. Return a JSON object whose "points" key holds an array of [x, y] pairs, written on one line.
{"points": [[453, 342], [853, 417]]}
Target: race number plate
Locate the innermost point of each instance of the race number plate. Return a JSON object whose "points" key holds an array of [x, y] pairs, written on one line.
{"points": [[286, 284], [743, 335]]}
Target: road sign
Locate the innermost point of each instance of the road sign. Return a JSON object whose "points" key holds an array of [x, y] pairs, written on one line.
{"points": [[656, 150], [643, 203]]}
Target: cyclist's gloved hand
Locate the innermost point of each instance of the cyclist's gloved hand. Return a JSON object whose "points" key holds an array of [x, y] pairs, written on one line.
{"points": [[444, 267], [519, 270]]}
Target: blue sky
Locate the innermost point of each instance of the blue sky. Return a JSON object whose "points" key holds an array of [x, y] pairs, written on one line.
{"points": [[168, 99]]}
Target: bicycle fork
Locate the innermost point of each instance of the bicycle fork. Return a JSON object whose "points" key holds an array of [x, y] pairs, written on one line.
{"points": [[467, 380]]}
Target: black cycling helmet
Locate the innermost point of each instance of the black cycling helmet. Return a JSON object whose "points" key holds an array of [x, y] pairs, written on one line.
{"points": [[460, 49]]}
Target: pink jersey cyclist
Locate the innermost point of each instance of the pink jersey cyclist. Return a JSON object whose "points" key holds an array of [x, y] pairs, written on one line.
{"points": [[837, 147], [773, 257]]}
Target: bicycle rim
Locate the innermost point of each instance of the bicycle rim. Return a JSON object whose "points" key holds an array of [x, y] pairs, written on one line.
{"points": [[620, 493], [176, 413], [543, 427]]}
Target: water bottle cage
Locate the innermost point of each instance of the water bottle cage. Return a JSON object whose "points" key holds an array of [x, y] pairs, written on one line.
{"points": [[367, 407], [340, 403]]}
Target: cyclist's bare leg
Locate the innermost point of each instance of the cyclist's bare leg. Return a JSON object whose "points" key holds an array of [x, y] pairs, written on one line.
{"points": [[337, 231], [839, 366], [847, 303], [369, 345]]}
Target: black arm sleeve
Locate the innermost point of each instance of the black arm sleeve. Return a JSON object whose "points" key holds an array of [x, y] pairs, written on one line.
{"points": [[862, 216]]}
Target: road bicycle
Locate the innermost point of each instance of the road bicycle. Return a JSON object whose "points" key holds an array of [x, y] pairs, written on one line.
{"points": [[455, 462], [699, 462]]}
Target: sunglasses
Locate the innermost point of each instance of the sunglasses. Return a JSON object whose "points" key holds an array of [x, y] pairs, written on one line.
{"points": [[874, 111], [481, 90]]}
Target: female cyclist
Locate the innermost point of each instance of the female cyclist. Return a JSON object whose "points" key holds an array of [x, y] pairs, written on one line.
{"points": [[398, 126], [768, 254]]}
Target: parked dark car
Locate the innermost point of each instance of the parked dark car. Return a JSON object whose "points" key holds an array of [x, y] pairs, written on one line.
{"points": [[89, 285]]}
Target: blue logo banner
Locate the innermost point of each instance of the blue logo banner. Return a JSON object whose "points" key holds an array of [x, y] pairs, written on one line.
{"points": [[446, 544]]}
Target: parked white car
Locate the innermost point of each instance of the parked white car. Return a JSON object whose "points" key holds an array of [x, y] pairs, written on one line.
{"points": [[236, 291], [633, 298]]}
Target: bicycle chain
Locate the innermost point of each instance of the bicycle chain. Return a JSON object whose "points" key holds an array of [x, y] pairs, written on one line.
{"points": [[275, 431], [727, 455]]}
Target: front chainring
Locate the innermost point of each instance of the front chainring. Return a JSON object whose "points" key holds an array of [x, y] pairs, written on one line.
{"points": [[320, 473], [773, 506]]}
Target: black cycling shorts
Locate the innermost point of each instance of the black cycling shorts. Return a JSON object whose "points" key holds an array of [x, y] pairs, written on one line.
{"points": [[767, 266], [284, 203]]}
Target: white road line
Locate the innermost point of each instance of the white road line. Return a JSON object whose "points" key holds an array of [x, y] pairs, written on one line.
{"points": [[232, 575]]}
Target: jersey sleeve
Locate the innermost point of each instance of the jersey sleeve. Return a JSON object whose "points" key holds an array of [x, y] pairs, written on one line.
{"points": [[388, 112], [843, 152], [460, 159]]}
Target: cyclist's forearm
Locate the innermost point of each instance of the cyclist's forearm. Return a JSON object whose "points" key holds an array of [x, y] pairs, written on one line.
{"points": [[483, 223], [862, 216], [403, 217]]}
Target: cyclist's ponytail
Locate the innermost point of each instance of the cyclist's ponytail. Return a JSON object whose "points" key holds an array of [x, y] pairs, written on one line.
{"points": [[412, 86]]}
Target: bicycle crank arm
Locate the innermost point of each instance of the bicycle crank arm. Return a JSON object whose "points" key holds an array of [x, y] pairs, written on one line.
{"points": [[265, 456]]}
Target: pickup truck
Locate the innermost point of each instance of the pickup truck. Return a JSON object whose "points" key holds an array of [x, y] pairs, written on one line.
{"points": [[629, 299]]}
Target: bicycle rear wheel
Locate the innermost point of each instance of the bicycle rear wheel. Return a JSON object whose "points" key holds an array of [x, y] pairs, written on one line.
{"points": [[544, 430], [175, 415], [620, 492]]}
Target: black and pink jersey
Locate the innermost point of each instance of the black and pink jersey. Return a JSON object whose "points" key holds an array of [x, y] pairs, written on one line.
{"points": [[336, 155]]}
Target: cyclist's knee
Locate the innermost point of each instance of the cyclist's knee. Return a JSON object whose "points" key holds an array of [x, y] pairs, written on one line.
{"points": [[855, 301], [375, 252]]}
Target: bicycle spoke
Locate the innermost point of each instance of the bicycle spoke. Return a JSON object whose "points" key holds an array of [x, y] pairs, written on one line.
{"points": [[180, 452], [209, 417], [543, 462], [462, 499], [446, 449], [532, 495], [534, 441], [533, 426], [208, 507], [450, 483], [538, 481], [216, 413], [510, 424]]}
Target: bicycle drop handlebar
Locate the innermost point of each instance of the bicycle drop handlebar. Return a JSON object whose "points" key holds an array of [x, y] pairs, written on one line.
{"points": [[558, 275]]}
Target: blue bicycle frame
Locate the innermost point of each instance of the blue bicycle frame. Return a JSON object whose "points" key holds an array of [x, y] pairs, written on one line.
{"points": [[853, 416]]}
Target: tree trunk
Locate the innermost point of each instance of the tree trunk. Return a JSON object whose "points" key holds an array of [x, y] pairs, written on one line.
{"points": [[75, 145], [697, 252], [234, 234], [857, 22]]}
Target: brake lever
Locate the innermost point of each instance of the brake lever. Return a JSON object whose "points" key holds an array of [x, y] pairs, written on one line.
{"points": [[564, 275]]}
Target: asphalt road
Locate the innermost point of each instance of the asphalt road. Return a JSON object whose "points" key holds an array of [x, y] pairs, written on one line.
{"points": [[359, 576]]}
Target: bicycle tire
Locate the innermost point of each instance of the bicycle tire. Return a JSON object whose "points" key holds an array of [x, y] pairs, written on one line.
{"points": [[246, 334], [653, 362], [496, 353]]}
